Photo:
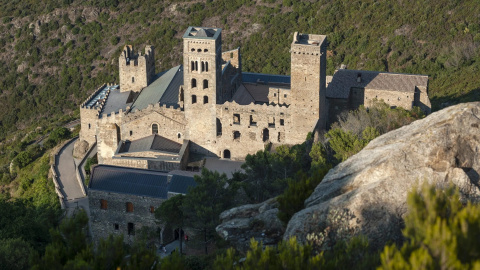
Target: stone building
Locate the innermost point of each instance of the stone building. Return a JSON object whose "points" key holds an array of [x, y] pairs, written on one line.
{"points": [[123, 200], [210, 107]]}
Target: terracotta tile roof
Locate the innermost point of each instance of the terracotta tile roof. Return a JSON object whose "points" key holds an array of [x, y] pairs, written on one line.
{"points": [[344, 79]]}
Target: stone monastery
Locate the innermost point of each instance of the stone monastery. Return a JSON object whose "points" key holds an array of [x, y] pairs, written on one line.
{"points": [[208, 106]]}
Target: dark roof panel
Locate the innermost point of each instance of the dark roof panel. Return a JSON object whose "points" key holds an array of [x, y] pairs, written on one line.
{"points": [[264, 78], [139, 182], [129, 181], [181, 183], [155, 91], [153, 142]]}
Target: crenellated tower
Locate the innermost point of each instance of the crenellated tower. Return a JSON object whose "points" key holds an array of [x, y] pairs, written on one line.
{"points": [[202, 87], [136, 71], [308, 85]]}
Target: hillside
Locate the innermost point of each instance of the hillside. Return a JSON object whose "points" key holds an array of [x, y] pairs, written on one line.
{"points": [[52, 55]]}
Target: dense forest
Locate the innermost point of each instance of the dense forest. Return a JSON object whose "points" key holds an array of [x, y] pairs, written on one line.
{"points": [[54, 53]]}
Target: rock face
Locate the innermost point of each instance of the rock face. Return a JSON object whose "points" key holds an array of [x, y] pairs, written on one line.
{"points": [[443, 149], [80, 148], [257, 221]]}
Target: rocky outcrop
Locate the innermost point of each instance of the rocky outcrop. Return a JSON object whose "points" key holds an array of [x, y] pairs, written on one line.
{"points": [[257, 221], [442, 149], [80, 148]]}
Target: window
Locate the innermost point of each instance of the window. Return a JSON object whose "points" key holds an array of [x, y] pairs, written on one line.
{"points": [[284, 95], [194, 99], [271, 121], [131, 133], [282, 122], [103, 204], [88, 126], [152, 209], [266, 135], [154, 129], [205, 99], [236, 135], [226, 153], [231, 55], [236, 118], [193, 65], [199, 50], [205, 50], [205, 84], [129, 207], [133, 79], [203, 66], [274, 94], [194, 83], [131, 229], [219, 127], [196, 65], [115, 226], [206, 66], [193, 49], [252, 122]]}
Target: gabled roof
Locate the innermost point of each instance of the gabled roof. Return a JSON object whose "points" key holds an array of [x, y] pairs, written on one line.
{"points": [[242, 96], [139, 182], [344, 79], [163, 89], [151, 143], [259, 92]]}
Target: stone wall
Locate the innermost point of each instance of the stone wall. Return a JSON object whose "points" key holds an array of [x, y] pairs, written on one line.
{"points": [[392, 98], [279, 95], [103, 220], [245, 127], [170, 121]]}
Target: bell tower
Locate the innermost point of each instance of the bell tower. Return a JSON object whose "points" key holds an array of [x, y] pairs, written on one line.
{"points": [[202, 61]]}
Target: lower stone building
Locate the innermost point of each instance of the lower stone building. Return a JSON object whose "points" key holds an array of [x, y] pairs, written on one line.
{"points": [[123, 200]]}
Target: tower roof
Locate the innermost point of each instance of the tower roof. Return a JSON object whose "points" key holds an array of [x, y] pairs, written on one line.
{"points": [[202, 32]]}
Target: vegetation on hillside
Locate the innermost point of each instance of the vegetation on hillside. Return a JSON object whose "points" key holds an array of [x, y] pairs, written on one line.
{"points": [[54, 54]]}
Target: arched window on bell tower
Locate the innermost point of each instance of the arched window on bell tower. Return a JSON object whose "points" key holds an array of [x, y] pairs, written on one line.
{"points": [[203, 66], [206, 66], [194, 83], [205, 84]]}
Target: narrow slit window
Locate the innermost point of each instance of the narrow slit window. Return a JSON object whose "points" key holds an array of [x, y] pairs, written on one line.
{"points": [[194, 99], [205, 84], [194, 83], [205, 99]]}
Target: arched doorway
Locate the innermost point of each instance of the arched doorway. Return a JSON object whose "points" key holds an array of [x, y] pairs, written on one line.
{"points": [[226, 153], [266, 134]]}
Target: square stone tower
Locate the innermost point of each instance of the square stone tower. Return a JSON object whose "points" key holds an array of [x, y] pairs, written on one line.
{"points": [[308, 85], [202, 86], [136, 71]]}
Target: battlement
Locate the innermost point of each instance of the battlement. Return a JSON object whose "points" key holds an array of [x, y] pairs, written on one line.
{"points": [[136, 70]]}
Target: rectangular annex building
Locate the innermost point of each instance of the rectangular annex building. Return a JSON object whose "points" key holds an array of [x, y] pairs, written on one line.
{"points": [[123, 200]]}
